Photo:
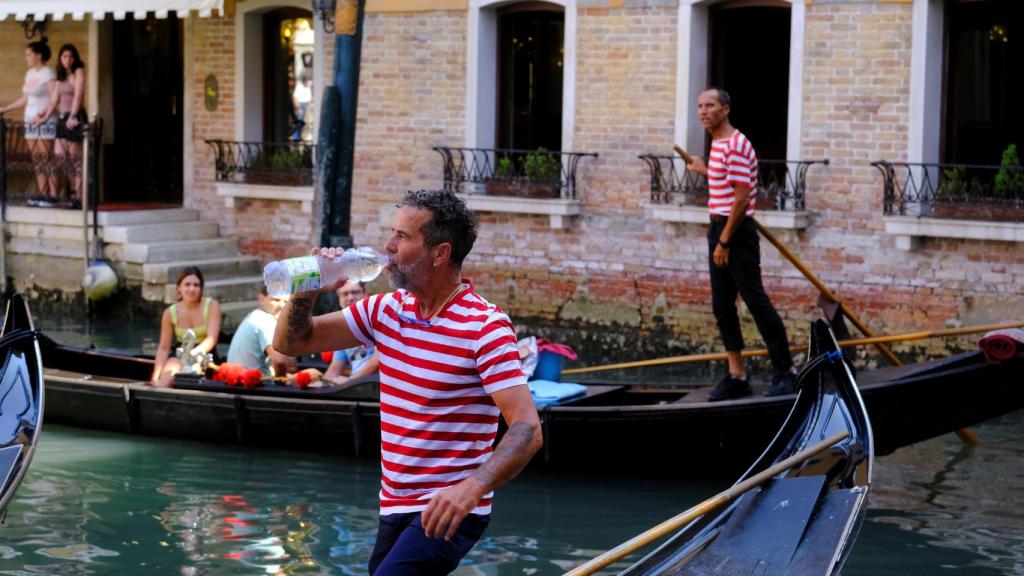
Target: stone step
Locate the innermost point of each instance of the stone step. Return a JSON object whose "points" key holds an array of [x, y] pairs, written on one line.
{"points": [[172, 251], [48, 216], [74, 249], [145, 233], [212, 268], [232, 313], [46, 231], [223, 289], [155, 216], [64, 217]]}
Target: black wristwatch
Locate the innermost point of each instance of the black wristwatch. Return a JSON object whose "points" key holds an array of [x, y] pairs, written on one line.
{"points": [[723, 244]]}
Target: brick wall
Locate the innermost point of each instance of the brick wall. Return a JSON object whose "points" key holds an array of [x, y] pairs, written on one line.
{"points": [[411, 98], [265, 228], [617, 276], [856, 110]]}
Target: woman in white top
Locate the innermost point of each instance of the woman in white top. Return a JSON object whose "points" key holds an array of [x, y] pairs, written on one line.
{"points": [[38, 96]]}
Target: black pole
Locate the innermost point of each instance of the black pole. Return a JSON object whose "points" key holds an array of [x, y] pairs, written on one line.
{"points": [[347, 49]]}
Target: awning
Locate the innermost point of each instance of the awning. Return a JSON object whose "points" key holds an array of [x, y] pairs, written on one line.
{"points": [[77, 9]]}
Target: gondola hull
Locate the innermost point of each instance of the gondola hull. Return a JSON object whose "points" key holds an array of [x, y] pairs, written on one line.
{"points": [[801, 503], [21, 397], [629, 425]]}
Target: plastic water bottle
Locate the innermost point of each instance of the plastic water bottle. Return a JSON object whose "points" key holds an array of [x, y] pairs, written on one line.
{"points": [[310, 273]]}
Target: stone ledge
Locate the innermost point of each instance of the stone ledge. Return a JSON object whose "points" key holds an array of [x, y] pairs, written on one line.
{"points": [[775, 219], [557, 209], [909, 230], [230, 191]]}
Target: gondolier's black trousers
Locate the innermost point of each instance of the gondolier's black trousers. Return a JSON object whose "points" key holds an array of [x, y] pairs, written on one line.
{"points": [[743, 276]]}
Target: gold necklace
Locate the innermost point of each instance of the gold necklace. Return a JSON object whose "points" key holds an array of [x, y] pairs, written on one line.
{"points": [[446, 301]]}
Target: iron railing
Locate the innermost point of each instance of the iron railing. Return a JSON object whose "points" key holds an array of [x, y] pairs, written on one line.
{"points": [[781, 184], [272, 163], [511, 172], [966, 191], [35, 170]]}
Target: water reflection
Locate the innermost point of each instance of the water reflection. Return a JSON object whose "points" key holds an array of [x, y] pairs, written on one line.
{"points": [[968, 498], [100, 504], [96, 504]]}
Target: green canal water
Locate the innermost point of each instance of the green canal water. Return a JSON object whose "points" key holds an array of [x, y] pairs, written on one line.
{"points": [[96, 503]]}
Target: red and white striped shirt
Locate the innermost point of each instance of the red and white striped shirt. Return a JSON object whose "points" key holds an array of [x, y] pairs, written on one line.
{"points": [[732, 162], [437, 419]]}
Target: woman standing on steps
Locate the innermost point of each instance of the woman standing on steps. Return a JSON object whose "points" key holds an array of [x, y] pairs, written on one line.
{"points": [[40, 122], [191, 312], [72, 120]]}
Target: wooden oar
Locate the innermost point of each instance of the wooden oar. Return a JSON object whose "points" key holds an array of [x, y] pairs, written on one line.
{"points": [[686, 157], [824, 290], [705, 507], [965, 434], [907, 336]]}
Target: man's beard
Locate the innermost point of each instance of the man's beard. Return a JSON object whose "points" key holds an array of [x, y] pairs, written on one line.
{"points": [[404, 275]]}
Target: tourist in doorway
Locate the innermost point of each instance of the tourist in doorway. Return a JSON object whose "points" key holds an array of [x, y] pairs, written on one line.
{"points": [[357, 362], [37, 95], [72, 120], [734, 251], [449, 367], [301, 98], [251, 346], [191, 312]]}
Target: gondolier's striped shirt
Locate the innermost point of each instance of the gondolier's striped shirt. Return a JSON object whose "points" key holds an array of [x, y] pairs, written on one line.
{"points": [[438, 422], [732, 162]]}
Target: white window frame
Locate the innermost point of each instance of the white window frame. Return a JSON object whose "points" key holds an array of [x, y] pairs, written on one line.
{"points": [[692, 74], [481, 72], [249, 67], [926, 72]]}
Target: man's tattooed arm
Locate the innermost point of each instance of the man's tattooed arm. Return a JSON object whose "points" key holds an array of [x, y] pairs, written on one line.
{"points": [[511, 455], [293, 334]]}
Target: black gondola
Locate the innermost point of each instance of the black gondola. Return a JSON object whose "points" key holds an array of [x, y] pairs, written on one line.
{"points": [[21, 396], [805, 519], [625, 424]]}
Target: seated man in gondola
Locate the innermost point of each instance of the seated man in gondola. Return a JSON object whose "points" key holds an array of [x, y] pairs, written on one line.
{"points": [[251, 344], [357, 362]]}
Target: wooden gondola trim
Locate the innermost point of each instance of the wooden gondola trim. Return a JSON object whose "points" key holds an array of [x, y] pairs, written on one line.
{"points": [[710, 356], [705, 507]]}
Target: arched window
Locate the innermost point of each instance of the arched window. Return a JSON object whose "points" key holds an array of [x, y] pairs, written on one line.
{"points": [[521, 92], [275, 50], [287, 74], [529, 62]]}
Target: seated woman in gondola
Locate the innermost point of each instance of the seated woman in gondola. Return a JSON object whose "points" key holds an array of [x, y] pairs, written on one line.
{"points": [[191, 312]]}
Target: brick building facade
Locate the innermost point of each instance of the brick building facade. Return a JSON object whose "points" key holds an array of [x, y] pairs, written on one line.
{"points": [[618, 269]]}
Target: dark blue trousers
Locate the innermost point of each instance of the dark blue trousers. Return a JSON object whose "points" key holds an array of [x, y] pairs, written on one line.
{"points": [[402, 548]]}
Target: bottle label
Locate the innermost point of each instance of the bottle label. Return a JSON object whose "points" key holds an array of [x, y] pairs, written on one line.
{"points": [[304, 273]]}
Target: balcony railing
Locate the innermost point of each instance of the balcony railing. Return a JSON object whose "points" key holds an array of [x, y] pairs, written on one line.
{"points": [[509, 172], [955, 191], [31, 168], [269, 163], [782, 184]]}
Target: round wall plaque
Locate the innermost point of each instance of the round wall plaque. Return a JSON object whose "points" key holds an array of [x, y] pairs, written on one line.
{"points": [[211, 92]]}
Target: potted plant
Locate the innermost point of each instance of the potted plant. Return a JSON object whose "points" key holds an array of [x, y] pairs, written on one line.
{"points": [[281, 166], [958, 197], [503, 181], [543, 175]]}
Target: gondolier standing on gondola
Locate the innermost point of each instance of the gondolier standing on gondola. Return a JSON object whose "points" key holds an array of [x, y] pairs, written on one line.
{"points": [[449, 363], [734, 252]]}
